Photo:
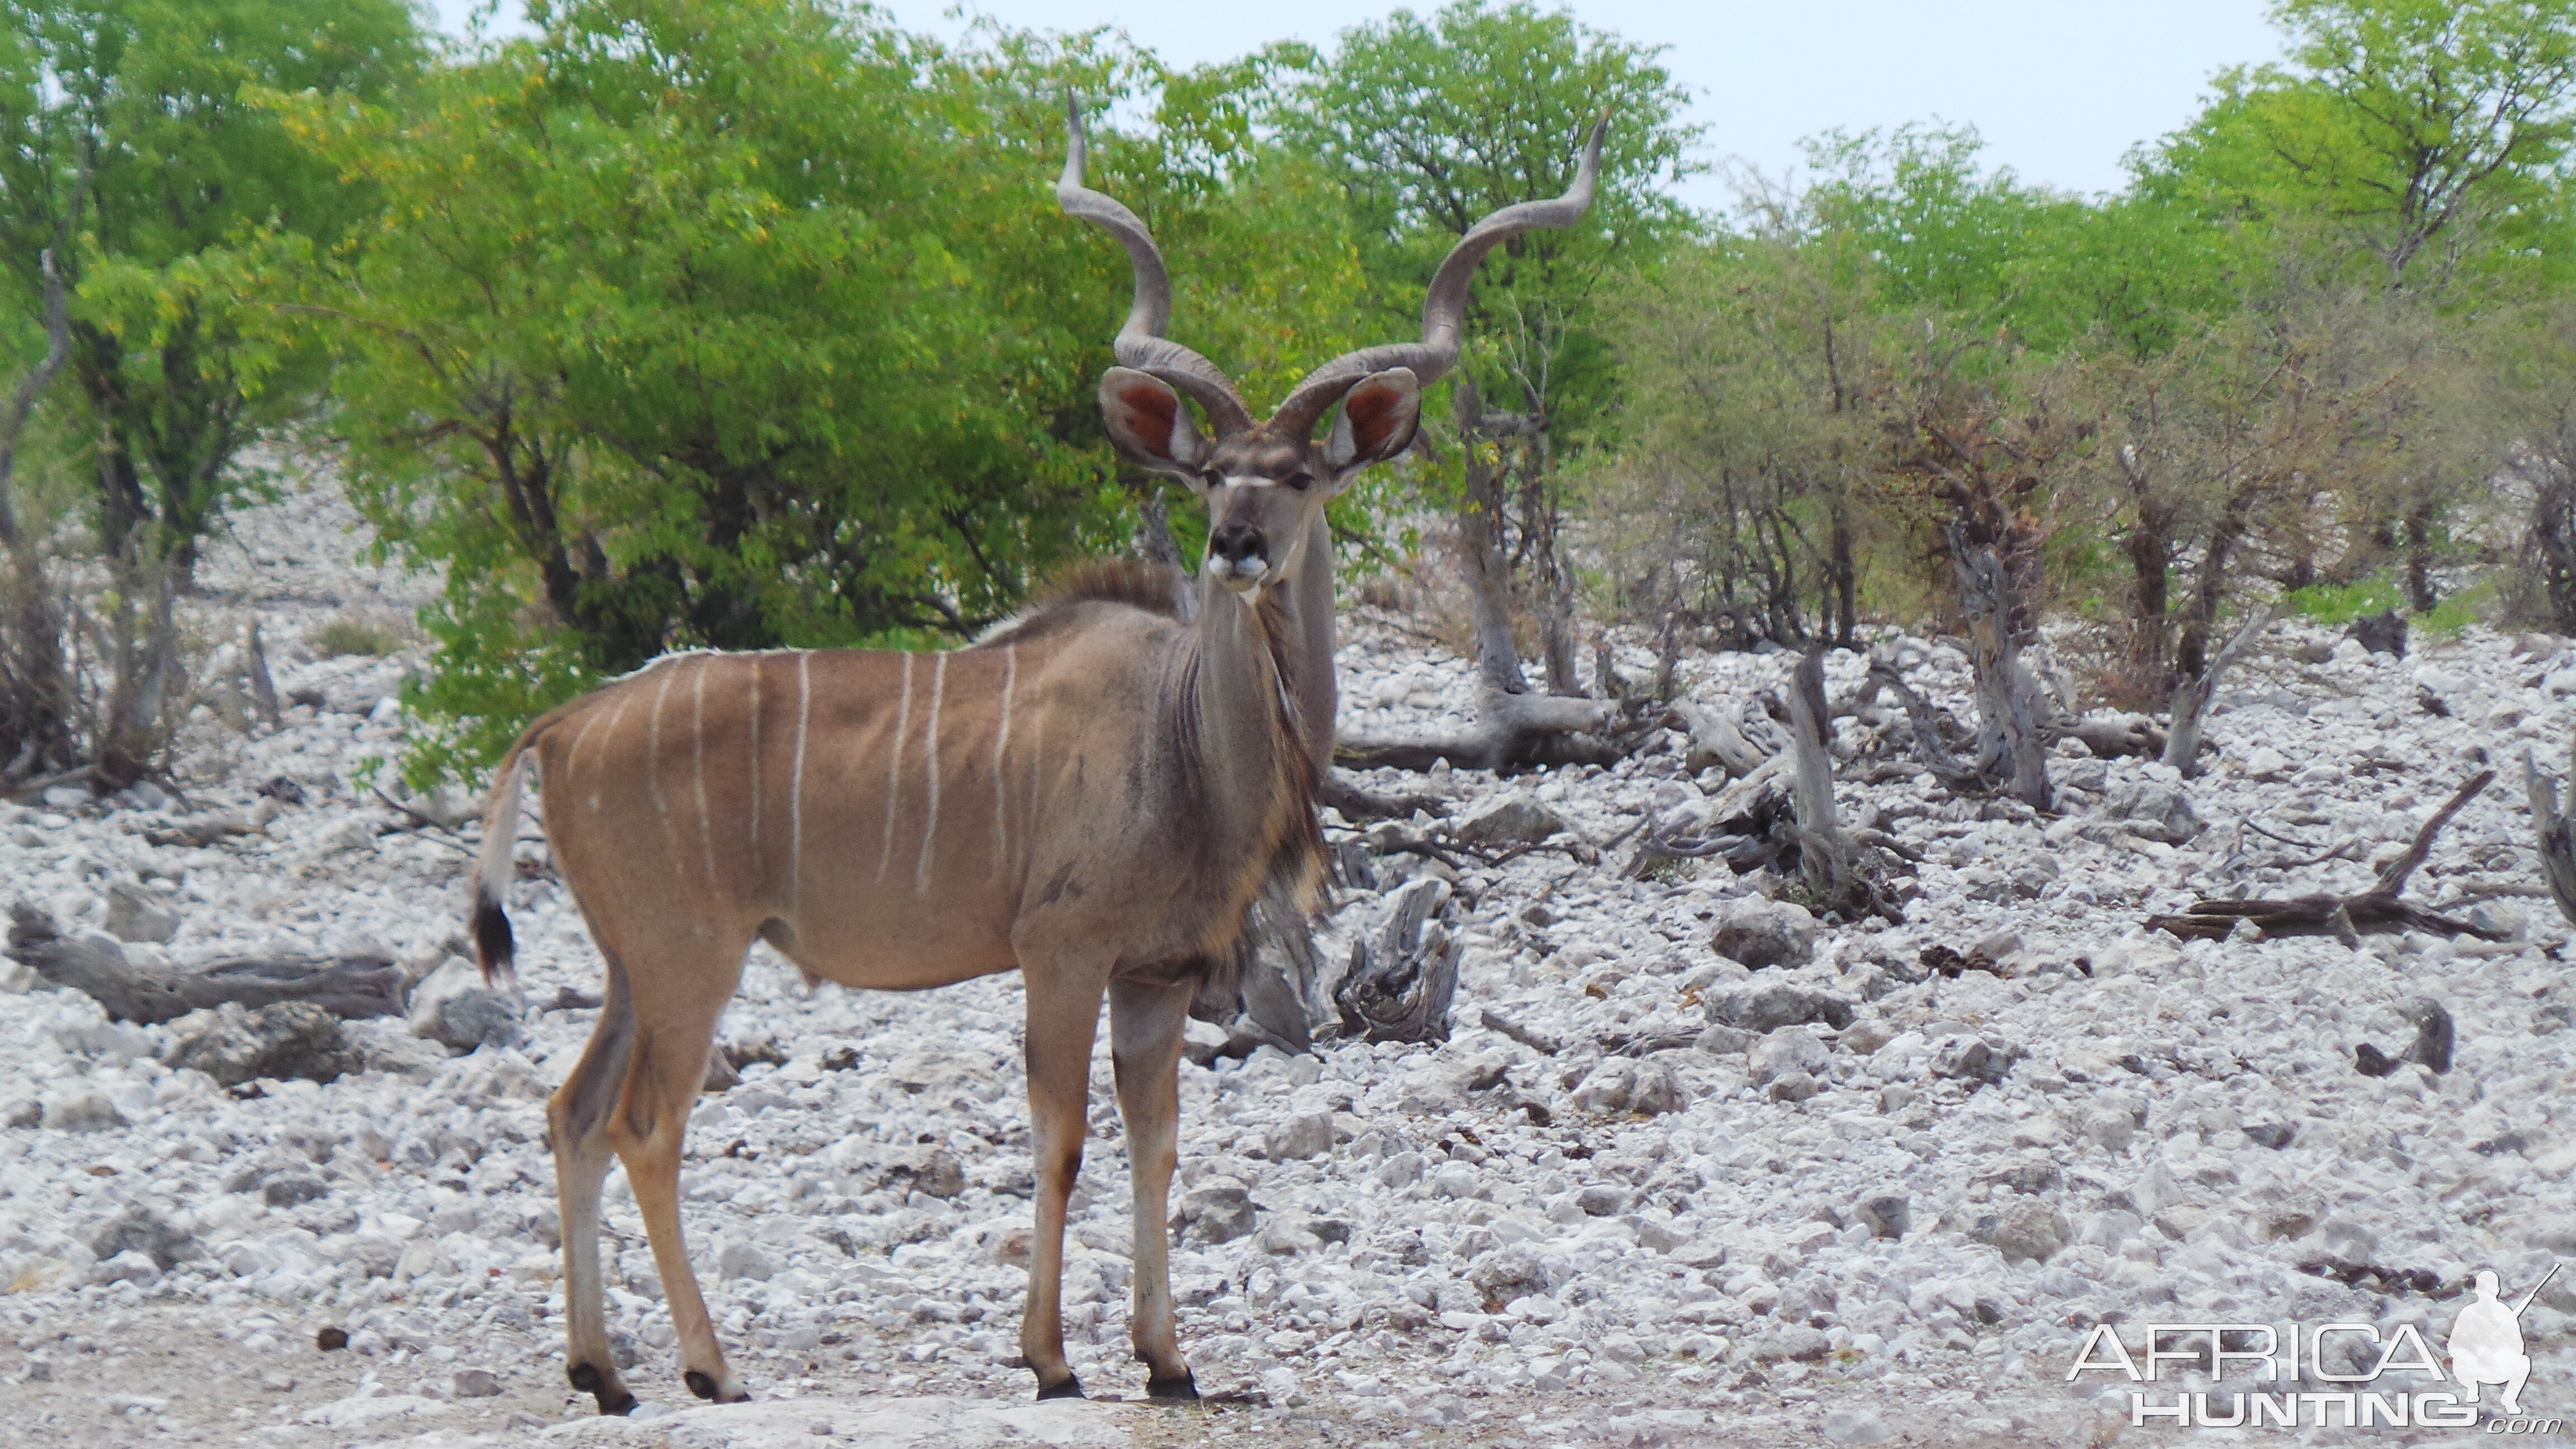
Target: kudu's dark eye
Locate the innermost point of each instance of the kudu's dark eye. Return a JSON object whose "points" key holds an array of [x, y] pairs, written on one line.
{"points": [[1299, 481]]}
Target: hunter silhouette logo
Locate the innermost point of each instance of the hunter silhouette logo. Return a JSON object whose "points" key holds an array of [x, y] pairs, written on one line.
{"points": [[2486, 1341]]}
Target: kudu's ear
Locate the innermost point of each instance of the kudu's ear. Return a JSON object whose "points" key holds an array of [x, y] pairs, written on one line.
{"points": [[1376, 422], [1149, 423]]}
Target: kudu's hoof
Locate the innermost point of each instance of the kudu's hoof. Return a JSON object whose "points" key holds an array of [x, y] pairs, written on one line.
{"points": [[703, 1384], [1071, 1388], [612, 1396], [1182, 1390]]}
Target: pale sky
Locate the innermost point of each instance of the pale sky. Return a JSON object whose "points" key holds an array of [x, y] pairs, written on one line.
{"points": [[2059, 88]]}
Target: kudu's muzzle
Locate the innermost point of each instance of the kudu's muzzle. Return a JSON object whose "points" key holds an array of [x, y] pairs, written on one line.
{"points": [[1238, 554]]}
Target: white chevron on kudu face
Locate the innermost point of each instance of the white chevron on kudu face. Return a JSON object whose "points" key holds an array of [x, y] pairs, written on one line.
{"points": [[1101, 788]]}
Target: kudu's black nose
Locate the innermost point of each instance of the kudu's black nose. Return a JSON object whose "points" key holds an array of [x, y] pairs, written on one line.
{"points": [[1234, 541]]}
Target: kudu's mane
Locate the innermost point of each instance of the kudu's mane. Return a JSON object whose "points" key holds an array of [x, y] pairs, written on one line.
{"points": [[1058, 603]]}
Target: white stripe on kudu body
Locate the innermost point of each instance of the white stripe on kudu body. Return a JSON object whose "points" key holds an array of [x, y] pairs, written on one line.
{"points": [[572, 760], [698, 761], [894, 771], [930, 771], [796, 782], [1002, 742]]}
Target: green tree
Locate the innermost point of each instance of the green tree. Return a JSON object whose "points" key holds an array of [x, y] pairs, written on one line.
{"points": [[127, 134], [2424, 131], [130, 152], [738, 323]]}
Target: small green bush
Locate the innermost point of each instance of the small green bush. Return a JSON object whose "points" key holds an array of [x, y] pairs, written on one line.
{"points": [[353, 636], [2446, 619], [2336, 604]]}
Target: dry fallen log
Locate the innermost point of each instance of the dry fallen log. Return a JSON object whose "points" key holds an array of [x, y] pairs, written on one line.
{"points": [[1340, 793], [2111, 733], [349, 987], [2377, 909], [1512, 731], [1716, 740], [202, 830], [2433, 1045], [1956, 775]]}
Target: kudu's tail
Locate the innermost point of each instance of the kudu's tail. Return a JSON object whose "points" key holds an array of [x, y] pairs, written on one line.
{"points": [[494, 948]]}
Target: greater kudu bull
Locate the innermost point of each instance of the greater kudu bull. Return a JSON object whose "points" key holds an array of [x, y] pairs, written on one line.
{"points": [[1092, 793]]}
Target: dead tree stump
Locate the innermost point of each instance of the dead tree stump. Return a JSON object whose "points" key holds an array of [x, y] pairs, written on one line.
{"points": [[2191, 701], [1404, 974]]}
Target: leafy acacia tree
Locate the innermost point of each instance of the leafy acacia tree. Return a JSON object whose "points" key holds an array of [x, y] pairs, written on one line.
{"points": [[1750, 428], [130, 153], [129, 138], [2422, 130], [744, 324], [2411, 145]]}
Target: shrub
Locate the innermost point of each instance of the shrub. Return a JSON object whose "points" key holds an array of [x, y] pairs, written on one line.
{"points": [[2335, 604], [346, 635]]}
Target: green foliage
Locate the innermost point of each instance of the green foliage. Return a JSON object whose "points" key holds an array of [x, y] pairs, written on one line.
{"points": [[2416, 134], [2335, 605], [1942, 233], [2451, 618], [746, 323], [127, 147]]}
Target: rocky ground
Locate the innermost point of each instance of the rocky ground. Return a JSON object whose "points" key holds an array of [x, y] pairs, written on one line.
{"points": [[1722, 1174]]}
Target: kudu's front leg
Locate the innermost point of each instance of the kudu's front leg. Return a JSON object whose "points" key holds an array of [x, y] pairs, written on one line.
{"points": [[1063, 1014], [1145, 1024]]}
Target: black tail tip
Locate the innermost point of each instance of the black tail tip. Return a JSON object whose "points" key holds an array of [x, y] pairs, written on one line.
{"points": [[494, 948]]}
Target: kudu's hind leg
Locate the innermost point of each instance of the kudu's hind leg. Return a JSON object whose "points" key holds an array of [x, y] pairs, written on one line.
{"points": [[577, 1128], [648, 1129], [1145, 1024], [1063, 1016]]}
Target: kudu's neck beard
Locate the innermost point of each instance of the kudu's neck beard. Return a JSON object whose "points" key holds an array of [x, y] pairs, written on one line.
{"points": [[1254, 768]]}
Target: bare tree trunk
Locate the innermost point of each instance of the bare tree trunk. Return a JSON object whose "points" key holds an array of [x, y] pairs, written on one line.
{"points": [[2419, 556], [2009, 739], [1154, 545], [1824, 857], [2553, 538], [2557, 833], [1515, 726], [1480, 552], [2191, 701], [263, 689], [1844, 605], [133, 729], [1552, 582], [1716, 742]]}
